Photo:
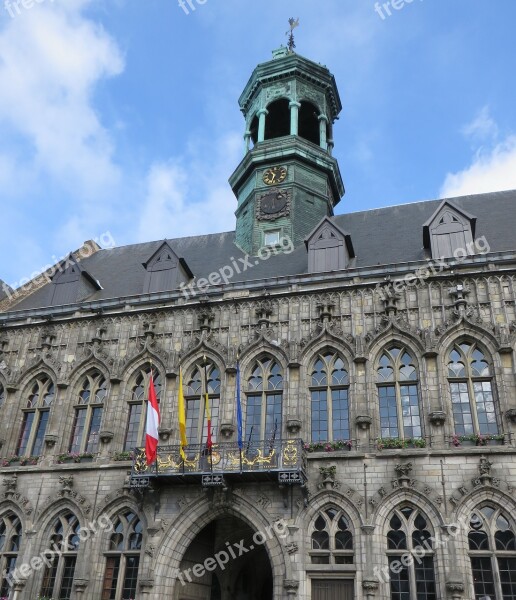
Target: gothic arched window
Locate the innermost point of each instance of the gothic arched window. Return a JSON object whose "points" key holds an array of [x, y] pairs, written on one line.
{"points": [[88, 413], [409, 534], [64, 543], [10, 540], [329, 392], [264, 401], [35, 417], [135, 431], [397, 381], [196, 421], [123, 558], [471, 388], [492, 551], [331, 539]]}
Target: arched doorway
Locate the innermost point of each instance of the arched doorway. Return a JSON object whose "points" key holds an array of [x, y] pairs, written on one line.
{"points": [[224, 562]]}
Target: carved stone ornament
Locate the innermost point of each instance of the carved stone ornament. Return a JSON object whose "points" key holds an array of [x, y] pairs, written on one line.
{"points": [[227, 430], [437, 418], [364, 421], [51, 440], [511, 415], [106, 436], [403, 472], [291, 586], [293, 426]]}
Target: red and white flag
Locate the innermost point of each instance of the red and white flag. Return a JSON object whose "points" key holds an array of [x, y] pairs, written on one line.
{"points": [[153, 420]]}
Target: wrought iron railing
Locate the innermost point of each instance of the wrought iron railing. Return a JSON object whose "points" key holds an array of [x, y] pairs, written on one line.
{"points": [[287, 458]]}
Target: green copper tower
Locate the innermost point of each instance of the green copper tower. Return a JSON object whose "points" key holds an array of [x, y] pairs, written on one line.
{"points": [[288, 180]]}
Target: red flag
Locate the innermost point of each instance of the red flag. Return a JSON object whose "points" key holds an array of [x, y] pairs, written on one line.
{"points": [[153, 420], [209, 442]]}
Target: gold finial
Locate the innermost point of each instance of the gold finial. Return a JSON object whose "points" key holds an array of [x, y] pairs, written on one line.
{"points": [[290, 33]]}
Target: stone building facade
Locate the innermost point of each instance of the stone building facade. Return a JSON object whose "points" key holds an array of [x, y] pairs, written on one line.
{"points": [[383, 340]]}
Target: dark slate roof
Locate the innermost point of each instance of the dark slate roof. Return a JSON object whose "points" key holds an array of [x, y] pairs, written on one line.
{"points": [[380, 237]]}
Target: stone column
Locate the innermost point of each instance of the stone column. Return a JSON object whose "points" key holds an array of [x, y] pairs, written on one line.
{"points": [[261, 126], [294, 117], [247, 138], [323, 121]]}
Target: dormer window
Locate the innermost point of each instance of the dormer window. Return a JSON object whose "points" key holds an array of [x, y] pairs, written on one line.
{"points": [[165, 271], [449, 232], [329, 248], [72, 283]]}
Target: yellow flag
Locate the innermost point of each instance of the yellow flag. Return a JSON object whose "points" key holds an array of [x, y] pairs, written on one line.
{"points": [[182, 416]]}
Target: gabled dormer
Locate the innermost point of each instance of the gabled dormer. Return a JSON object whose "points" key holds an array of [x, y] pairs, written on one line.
{"points": [[72, 283], [165, 271], [448, 230], [329, 248]]}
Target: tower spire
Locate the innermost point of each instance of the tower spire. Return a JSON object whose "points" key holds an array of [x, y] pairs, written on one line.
{"points": [[290, 33]]}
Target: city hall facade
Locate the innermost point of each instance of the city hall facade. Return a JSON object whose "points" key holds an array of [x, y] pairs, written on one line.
{"points": [[373, 356]]}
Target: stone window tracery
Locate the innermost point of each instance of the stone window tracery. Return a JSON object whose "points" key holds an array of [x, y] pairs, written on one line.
{"points": [[471, 388], [59, 574], [10, 540], [409, 536], [329, 392], [331, 539], [35, 417], [88, 414], [492, 551], [263, 413], [398, 392], [135, 431], [196, 421], [123, 558]]}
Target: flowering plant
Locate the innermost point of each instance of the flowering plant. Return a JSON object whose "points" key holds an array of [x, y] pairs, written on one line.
{"points": [[73, 457], [119, 456], [328, 446], [478, 438], [390, 443]]}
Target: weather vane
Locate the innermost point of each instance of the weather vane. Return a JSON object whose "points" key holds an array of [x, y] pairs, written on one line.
{"points": [[293, 24]]}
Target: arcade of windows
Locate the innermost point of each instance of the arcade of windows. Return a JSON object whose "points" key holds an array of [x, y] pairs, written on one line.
{"points": [[491, 541], [470, 383]]}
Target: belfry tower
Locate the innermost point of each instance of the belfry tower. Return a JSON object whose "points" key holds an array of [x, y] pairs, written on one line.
{"points": [[288, 180]]}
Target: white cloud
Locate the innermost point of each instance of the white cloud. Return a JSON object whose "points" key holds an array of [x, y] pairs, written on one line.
{"points": [[493, 170], [493, 166], [193, 199], [482, 128], [51, 60]]}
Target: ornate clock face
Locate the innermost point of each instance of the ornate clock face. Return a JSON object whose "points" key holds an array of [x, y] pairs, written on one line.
{"points": [[273, 203], [275, 175]]}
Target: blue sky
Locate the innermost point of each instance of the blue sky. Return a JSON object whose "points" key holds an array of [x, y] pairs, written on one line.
{"points": [[121, 116]]}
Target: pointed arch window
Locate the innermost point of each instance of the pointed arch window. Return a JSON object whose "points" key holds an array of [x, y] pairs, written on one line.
{"points": [[329, 391], [471, 389], [88, 414], [331, 539], [196, 422], [398, 393], [409, 533], [135, 432], [10, 540], [492, 551], [264, 401], [64, 542], [123, 558], [35, 417]]}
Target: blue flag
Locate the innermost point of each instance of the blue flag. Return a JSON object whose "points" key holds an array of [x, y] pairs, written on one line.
{"points": [[239, 409]]}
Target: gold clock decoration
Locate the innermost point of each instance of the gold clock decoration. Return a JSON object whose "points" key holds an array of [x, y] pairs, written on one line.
{"points": [[275, 175]]}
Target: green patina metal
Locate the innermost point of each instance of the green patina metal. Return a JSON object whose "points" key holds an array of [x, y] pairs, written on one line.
{"points": [[290, 105]]}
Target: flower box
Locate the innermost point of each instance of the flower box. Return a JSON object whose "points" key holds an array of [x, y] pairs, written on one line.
{"points": [[399, 444], [74, 458], [329, 446], [478, 440]]}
